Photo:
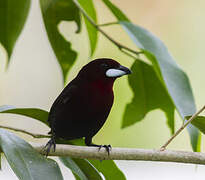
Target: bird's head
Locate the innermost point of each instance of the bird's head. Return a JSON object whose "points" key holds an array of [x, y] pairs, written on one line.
{"points": [[104, 69]]}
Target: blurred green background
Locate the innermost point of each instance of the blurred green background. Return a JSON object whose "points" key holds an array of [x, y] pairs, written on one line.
{"points": [[33, 78]]}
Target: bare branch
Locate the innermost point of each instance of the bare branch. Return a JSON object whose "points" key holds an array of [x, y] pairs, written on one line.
{"points": [[125, 154], [117, 153]]}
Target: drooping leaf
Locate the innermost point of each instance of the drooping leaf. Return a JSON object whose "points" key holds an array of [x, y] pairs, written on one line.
{"points": [[116, 11], [13, 15], [54, 12], [34, 113], [26, 163], [89, 8], [109, 169], [149, 93], [173, 77], [82, 168]]}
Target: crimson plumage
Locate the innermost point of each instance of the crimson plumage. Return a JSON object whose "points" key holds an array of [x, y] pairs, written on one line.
{"points": [[84, 104]]}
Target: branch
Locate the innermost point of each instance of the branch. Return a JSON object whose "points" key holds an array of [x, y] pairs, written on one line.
{"points": [[116, 153], [125, 154], [181, 128], [26, 132], [120, 46]]}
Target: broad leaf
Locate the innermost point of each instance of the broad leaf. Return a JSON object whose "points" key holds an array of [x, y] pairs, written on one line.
{"points": [[34, 113], [199, 122], [92, 31], [26, 163], [54, 12], [149, 93], [82, 168], [169, 72], [13, 15], [109, 169], [174, 79], [42, 115], [116, 11]]}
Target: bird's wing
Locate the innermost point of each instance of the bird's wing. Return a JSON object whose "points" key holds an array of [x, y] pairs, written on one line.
{"points": [[65, 96]]}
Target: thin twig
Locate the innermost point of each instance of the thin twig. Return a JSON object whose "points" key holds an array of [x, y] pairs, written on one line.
{"points": [[108, 24], [181, 128], [120, 46], [25, 132], [125, 154]]}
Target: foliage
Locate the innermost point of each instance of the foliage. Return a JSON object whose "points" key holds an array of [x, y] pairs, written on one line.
{"points": [[25, 161], [10, 29], [199, 122], [170, 87]]}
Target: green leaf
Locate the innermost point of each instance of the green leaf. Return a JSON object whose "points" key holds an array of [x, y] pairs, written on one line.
{"points": [[149, 94], [109, 169], [82, 168], [89, 8], [34, 113], [13, 15], [116, 11], [174, 79], [54, 12], [199, 122], [26, 163], [42, 116]]}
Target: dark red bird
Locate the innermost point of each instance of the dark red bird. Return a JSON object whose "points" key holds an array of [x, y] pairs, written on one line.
{"points": [[84, 104]]}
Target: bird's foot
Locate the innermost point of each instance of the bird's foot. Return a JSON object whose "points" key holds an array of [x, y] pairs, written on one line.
{"points": [[88, 142], [49, 145], [108, 148]]}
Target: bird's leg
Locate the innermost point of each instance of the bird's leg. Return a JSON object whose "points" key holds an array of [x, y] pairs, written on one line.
{"points": [[88, 142], [49, 145]]}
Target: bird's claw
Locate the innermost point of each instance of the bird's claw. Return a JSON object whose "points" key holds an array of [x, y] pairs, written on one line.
{"points": [[49, 145], [107, 148]]}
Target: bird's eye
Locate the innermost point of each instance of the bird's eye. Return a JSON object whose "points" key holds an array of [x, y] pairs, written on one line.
{"points": [[104, 65]]}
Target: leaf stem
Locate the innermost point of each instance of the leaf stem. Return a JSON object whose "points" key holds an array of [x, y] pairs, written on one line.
{"points": [[25, 132], [181, 128], [108, 24], [119, 45]]}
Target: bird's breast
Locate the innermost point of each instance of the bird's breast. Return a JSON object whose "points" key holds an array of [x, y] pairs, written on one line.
{"points": [[99, 99]]}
